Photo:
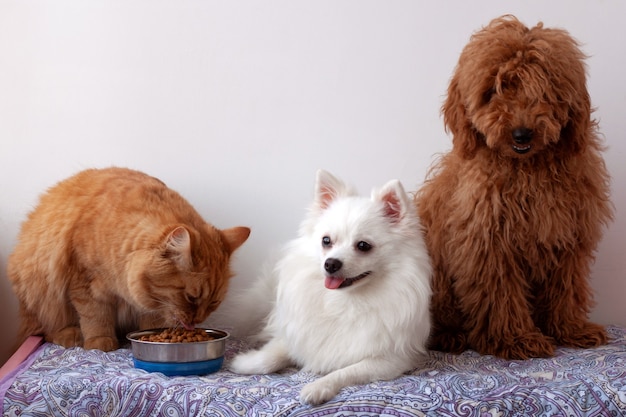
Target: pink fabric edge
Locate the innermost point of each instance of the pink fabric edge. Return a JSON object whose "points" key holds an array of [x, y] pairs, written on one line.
{"points": [[22, 353], [20, 360]]}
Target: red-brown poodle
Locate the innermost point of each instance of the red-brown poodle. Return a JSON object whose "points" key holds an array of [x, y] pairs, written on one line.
{"points": [[514, 212]]}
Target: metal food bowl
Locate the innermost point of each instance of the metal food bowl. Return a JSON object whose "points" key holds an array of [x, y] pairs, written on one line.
{"points": [[188, 358]]}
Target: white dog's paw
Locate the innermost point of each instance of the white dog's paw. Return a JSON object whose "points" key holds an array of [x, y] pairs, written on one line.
{"points": [[317, 392], [246, 363], [270, 358]]}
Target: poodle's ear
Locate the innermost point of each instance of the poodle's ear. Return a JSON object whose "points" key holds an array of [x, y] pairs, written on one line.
{"points": [[579, 128], [571, 88], [464, 137]]}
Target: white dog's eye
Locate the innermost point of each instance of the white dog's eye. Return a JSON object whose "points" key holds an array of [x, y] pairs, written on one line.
{"points": [[363, 246], [326, 241]]}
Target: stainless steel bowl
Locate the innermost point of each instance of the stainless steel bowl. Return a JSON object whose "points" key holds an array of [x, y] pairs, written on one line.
{"points": [[177, 352]]}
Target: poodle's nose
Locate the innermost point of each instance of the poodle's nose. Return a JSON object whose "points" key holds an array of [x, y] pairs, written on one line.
{"points": [[332, 265], [522, 135]]}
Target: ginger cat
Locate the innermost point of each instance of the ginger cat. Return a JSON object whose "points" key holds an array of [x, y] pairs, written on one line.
{"points": [[113, 250]]}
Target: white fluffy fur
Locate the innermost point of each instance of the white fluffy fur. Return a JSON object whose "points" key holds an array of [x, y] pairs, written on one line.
{"points": [[375, 329]]}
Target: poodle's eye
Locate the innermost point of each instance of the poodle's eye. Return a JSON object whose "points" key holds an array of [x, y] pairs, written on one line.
{"points": [[488, 94], [363, 246], [326, 242]]}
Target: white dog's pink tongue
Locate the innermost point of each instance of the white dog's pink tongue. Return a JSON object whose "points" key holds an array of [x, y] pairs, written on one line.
{"points": [[332, 283]]}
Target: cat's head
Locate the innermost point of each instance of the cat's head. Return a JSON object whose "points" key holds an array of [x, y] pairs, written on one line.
{"points": [[184, 276]]}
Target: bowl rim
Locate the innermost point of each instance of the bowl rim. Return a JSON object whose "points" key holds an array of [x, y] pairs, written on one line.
{"points": [[221, 335]]}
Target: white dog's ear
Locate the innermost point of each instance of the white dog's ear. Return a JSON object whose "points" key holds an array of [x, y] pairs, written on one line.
{"points": [[328, 188], [395, 200]]}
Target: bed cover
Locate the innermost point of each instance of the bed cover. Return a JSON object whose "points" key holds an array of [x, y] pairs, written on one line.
{"points": [[53, 381]]}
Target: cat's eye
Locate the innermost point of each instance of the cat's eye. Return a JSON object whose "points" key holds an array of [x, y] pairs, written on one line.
{"points": [[363, 246], [326, 242], [191, 299]]}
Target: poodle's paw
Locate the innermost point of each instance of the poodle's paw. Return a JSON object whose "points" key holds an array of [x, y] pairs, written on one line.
{"points": [[586, 335], [67, 337], [317, 392], [529, 345], [448, 341], [103, 343]]}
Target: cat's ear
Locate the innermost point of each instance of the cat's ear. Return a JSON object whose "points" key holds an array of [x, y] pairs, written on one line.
{"points": [[395, 200], [328, 188], [235, 237], [178, 247]]}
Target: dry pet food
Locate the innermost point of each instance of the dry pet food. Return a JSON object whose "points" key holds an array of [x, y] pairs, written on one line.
{"points": [[177, 335]]}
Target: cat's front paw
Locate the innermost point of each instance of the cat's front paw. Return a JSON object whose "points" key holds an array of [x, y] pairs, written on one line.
{"points": [[103, 343], [67, 337], [317, 392]]}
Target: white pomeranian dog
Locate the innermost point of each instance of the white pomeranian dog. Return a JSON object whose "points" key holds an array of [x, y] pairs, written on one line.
{"points": [[349, 297]]}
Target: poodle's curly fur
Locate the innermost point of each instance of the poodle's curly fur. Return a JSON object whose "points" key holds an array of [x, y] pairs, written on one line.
{"points": [[514, 212]]}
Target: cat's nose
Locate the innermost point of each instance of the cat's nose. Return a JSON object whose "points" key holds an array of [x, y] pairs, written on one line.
{"points": [[332, 265]]}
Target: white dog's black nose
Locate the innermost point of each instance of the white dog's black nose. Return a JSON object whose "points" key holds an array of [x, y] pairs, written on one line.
{"points": [[332, 265], [522, 135]]}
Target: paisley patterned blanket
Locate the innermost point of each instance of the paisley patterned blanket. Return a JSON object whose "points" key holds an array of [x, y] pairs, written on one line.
{"points": [[73, 382]]}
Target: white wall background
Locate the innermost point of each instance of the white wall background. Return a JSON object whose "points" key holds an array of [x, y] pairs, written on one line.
{"points": [[236, 104]]}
